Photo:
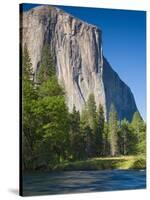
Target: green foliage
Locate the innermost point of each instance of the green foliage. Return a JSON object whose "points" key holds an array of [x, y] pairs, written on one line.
{"points": [[99, 136], [139, 130], [46, 68], [53, 136], [91, 112], [76, 136], [106, 144], [88, 138], [125, 138], [92, 121], [50, 87], [29, 97], [132, 136], [89, 124], [122, 162], [113, 131], [45, 117], [52, 116], [26, 65]]}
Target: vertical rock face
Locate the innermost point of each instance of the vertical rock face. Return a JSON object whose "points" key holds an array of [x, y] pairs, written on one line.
{"points": [[77, 51]]}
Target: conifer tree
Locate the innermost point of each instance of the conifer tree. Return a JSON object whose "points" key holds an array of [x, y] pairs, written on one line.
{"points": [[28, 98], [52, 113], [106, 144], [100, 131], [75, 133], [87, 133], [139, 130], [113, 131], [92, 123], [124, 137], [91, 111], [46, 67]]}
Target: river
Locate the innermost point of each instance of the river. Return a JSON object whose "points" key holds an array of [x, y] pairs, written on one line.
{"points": [[82, 181]]}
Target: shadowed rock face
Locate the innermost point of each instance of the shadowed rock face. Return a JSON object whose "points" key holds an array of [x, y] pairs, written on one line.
{"points": [[118, 93], [77, 51]]}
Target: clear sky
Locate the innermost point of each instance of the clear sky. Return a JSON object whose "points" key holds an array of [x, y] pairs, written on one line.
{"points": [[124, 44]]}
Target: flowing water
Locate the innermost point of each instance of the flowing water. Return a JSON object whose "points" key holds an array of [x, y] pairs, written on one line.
{"points": [[82, 181]]}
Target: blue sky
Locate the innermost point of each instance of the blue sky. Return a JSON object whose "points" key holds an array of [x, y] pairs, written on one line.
{"points": [[124, 44]]}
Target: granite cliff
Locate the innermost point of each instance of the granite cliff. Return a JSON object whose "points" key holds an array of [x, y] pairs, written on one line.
{"points": [[77, 50]]}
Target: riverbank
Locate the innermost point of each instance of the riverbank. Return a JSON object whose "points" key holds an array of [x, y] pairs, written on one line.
{"points": [[121, 162]]}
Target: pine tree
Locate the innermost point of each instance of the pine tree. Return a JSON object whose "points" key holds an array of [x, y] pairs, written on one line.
{"points": [[106, 144], [27, 65], [28, 100], [91, 111], [139, 130], [92, 124], [87, 133], [100, 131], [51, 113], [124, 137], [75, 142], [137, 123], [113, 131], [45, 117], [46, 67]]}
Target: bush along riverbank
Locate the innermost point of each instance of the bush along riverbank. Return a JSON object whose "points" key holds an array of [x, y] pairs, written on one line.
{"points": [[122, 162]]}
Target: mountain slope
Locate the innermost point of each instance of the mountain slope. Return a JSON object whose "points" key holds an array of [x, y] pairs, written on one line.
{"points": [[81, 68]]}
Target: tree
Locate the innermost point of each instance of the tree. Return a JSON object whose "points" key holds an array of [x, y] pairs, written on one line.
{"points": [[29, 97], [91, 112], [106, 144], [139, 130], [76, 140], [50, 87], [46, 67], [113, 131], [45, 116], [26, 65], [124, 141], [52, 114], [87, 136], [142, 140], [52, 129], [92, 123], [100, 131], [87, 133]]}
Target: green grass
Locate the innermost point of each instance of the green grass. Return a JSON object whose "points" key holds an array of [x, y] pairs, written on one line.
{"points": [[121, 162]]}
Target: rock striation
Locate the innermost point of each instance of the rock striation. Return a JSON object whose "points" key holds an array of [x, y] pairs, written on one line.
{"points": [[76, 47]]}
